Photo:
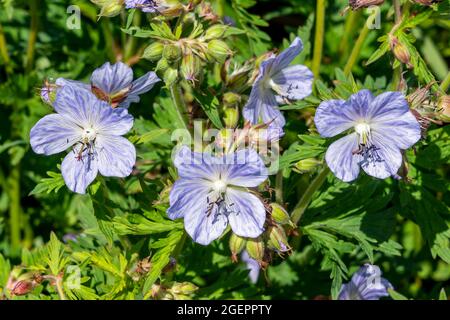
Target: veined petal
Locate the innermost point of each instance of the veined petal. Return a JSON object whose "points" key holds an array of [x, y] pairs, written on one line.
{"points": [[53, 134], [334, 117], [113, 121], [403, 130], [286, 56], [296, 81], [384, 160], [248, 213], [61, 82], [360, 103], [78, 174], [202, 226], [341, 159], [263, 104], [246, 169], [112, 78], [116, 156], [195, 165], [138, 87], [184, 195], [387, 106]]}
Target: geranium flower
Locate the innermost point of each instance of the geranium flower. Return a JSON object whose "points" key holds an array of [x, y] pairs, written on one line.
{"points": [[366, 284], [380, 128], [148, 6], [278, 83], [213, 191], [93, 129]]}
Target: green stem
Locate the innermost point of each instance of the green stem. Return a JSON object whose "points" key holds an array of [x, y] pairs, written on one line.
{"points": [[318, 38], [349, 31], [356, 49], [13, 184], [301, 206], [4, 50], [446, 82], [397, 76], [130, 46], [59, 288], [33, 35], [177, 98], [279, 187]]}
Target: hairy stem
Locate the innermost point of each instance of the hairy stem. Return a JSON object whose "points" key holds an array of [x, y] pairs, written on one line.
{"points": [[301, 206], [357, 47], [59, 288], [180, 106], [318, 38], [349, 30], [33, 35]]}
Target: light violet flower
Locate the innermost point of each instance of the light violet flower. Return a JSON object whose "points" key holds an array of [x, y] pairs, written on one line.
{"points": [[278, 83], [112, 83], [366, 284], [380, 127], [212, 192], [252, 266], [148, 6], [93, 129]]}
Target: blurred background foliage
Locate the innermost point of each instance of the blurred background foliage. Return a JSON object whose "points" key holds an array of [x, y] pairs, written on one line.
{"points": [[403, 227]]}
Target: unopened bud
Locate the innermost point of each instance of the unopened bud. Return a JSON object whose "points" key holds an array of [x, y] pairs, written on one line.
{"points": [[231, 117], [357, 4], [218, 50], [22, 287], [400, 51], [231, 99], [154, 51], [109, 8], [172, 53], [215, 32], [237, 244], [191, 68], [162, 66], [307, 165], [279, 214], [444, 108], [170, 76], [183, 288], [255, 248], [277, 239]]}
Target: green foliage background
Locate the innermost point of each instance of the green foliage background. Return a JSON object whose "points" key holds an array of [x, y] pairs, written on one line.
{"points": [[402, 227]]}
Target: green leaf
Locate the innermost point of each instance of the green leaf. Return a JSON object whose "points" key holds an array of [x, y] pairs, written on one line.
{"points": [[396, 296], [48, 185], [210, 104], [55, 255], [442, 295]]}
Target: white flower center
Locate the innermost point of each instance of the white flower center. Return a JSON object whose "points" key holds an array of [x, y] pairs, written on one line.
{"points": [[219, 186], [89, 135], [363, 131]]}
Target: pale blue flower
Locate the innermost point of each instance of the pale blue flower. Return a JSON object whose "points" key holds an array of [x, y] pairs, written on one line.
{"points": [[366, 284], [93, 130], [213, 191], [278, 83], [148, 6], [112, 83], [379, 128]]}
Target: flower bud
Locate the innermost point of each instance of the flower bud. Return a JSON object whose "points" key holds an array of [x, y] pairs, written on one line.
{"points": [[215, 32], [191, 68], [357, 4], [218, 50], [22, 287], [154, 51], [277, 239], [400, 51], [444, 108], [231, 117], [231, 99], [183, 288], [170, 76], [172, 53], [109, 8], [279, 214], [237, 244], [255, 248], [307, 165], [162, 66]]}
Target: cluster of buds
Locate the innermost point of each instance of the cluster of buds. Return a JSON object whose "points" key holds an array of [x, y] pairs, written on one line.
{"points": [[173, 291], [400, 51], [186, 57], [273, 240]]}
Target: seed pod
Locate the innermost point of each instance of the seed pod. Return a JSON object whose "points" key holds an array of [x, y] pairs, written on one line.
{"points": [[162, 66], [191, 68], [357, 4], [279, 214], [172, 53], [277, 239], [170, 76], [183, 288], [307, 165], [400, 51], [218, 50], [215, 32], [154, 51], [231, 99], [255, 248], [237, 244]]}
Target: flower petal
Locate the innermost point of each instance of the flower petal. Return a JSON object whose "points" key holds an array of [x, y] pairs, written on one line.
{"points": [[79, 174], [286, 56], [296, 81], [334, 117], [53, 134], [112, 78], [202, 226], [263, 104], [248, 215], [246, 168], [185, 194], [195, 165], [341, 160], [138, 87], [360, 103], [384, 161], [113, 121], [61, 82], [116, 156], [387, 106]]}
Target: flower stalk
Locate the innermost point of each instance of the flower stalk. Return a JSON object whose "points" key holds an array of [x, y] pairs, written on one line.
{"points": [[318, 38]]}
